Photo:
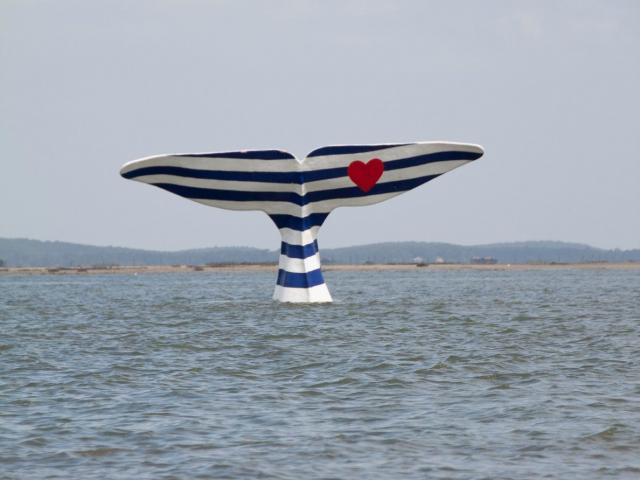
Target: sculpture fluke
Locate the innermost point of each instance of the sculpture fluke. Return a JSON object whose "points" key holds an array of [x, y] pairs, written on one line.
{"points": [[299, 195]]}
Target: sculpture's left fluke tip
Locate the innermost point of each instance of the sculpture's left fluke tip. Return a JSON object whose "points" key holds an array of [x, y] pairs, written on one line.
{"points": [[128, 169]]}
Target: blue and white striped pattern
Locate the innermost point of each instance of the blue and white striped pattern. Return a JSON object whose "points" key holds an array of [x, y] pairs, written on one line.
{"points": [[298, 196]]}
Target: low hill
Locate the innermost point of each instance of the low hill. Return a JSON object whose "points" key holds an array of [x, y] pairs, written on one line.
{"points": [[21, 252], [515, 252], [35, 253]]}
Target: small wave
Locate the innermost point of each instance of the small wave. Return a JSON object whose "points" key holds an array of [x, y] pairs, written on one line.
{"points": [[436, 368], [99, 452], [375, 367], [334, 383], [608, 434], [284, 336], [34, 442]]}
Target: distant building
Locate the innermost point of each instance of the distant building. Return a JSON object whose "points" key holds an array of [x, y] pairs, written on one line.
{"points": [[439, 260], [484, 260]]}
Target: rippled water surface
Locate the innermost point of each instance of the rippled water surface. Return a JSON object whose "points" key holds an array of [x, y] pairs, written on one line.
{"points": [[409, 374]]}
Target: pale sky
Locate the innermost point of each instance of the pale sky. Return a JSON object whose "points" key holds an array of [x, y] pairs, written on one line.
{"points": [[549, 88]]}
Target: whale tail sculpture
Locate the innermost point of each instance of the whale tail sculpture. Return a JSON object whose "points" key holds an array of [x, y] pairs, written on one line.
{"points": [[299, 195]]}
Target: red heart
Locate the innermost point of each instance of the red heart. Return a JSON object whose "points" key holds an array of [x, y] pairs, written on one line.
{"points": [[365, 176]]}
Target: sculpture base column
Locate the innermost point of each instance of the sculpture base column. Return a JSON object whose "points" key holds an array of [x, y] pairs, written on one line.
{"points": [[300, 278]]}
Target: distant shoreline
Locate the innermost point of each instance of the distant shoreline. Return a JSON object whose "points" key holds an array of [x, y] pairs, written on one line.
{"points": [[53, 254], [151, 269]]}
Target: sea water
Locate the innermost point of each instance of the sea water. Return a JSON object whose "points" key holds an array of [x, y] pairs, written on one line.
{"points": [[409, 374]]}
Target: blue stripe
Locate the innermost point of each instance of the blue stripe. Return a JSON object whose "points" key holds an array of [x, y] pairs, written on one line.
{"points": [[270, 177], [298, 223], [248, 155], [299, 251], [345, 149], [300, 280], [291, 197], [295, 176], [353, 192]]}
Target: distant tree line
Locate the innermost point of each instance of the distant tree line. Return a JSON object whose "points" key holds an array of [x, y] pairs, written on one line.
{"points": [[35, 253]]}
